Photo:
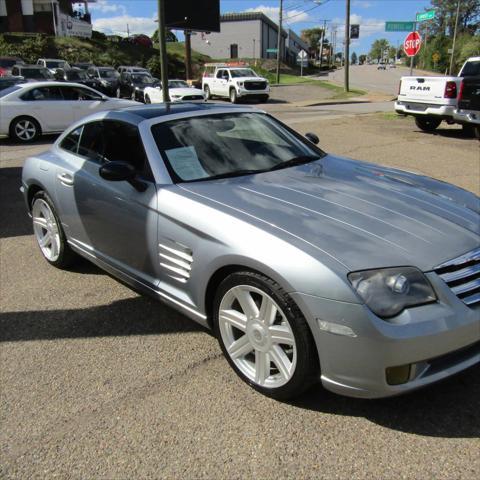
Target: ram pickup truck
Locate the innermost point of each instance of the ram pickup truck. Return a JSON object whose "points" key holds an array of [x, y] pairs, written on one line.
{"points": [[234, 81], [433, 99], [468, 109]]}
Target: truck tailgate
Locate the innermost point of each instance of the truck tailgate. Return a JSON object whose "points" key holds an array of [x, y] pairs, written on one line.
{"points": [[426, 90]]}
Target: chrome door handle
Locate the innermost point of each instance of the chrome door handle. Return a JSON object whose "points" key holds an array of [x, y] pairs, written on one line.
{"points": [[65, 178]]}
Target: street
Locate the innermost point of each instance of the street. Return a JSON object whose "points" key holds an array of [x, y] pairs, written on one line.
{"points": [[101, 382]]}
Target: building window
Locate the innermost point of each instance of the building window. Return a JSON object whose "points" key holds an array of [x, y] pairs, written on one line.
{"points": [[233, 50], [42, 7]]}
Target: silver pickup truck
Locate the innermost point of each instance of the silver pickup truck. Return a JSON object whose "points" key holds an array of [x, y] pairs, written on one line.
{"points": [[430, 100]]}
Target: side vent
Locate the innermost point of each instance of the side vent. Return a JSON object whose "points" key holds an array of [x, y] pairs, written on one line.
{"points": [[176, 259]]}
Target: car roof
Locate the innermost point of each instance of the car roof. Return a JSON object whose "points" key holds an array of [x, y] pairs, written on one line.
{"points": [[27, 65], [104, 68], [51, 84], [53, 59]]}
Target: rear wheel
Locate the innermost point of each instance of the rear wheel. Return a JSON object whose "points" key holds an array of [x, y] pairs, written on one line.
{"points": [[24, 129], [264, 336], [233, 96], [427, 124]]}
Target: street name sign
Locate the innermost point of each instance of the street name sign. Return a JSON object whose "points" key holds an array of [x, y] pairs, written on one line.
{"points": [[422, 17], [272, 50], [412, 44], [399, 26]]}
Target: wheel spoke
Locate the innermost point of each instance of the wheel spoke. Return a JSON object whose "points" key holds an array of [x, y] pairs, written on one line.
{"points": [[45, 240], [262, 366], [41, 222], [281, 361], [246, 302], [54, 249], [281, 334], [240, 347], [268, 311], [234, 318]]}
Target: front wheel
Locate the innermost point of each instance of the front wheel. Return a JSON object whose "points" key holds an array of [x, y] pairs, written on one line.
{"points": [[233, 96], [24, 129], [49, 233], [264, 336], [427, 124]]}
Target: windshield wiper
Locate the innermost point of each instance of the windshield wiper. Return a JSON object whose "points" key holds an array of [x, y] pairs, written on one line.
{"points": [[235, 173], [293, 161]]}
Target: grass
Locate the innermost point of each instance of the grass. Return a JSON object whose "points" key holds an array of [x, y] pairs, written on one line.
{"points": [[392, 116]]}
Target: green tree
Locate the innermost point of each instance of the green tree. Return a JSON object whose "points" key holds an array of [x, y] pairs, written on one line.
{"points": [[378, 48], [312, 36], [445, 14], [362, 59], [354, 58], [171, 37]]}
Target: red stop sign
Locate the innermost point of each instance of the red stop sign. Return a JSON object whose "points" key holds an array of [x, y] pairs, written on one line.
{"points": [[412, 44]]}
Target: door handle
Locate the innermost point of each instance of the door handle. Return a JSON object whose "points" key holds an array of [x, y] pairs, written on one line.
{"points": [[65, 178]]}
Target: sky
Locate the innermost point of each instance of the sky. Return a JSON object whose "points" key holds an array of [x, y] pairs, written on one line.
{"points": [[112, 16]]}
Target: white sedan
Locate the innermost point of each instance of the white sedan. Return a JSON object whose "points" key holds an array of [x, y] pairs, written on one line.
{"points": [[179, 90], [31, 109]]}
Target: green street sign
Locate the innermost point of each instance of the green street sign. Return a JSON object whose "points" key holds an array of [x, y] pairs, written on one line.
{"points": [[422, 17], [272, 50], [399, 26]]}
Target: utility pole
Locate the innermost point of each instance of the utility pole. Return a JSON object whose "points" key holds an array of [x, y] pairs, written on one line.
{"points": [[454, 38], [321, 44], [163, 50], [188, 55], [279, 39], [347, 46]]}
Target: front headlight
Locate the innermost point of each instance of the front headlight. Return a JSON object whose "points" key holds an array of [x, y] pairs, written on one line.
{"points": [[240, 84], [388, 291]]}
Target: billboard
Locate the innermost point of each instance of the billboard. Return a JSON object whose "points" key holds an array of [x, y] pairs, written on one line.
{"points": [[196, 15]]}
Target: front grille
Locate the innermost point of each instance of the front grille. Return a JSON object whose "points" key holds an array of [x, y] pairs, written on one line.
{"points": [[255, 85], [462, 275], [192, 97]]}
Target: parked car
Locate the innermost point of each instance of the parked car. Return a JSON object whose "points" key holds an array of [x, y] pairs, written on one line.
{"points": [[108, 78], [234, 81], [83, 65], [6, 82], [431, 100], [53, 63], [306, 266], [78, 76], [179, 91], [381, 66], [132, 85], [468, 108], [32, 73], [6, 64], [131, 69], [29, 110]]}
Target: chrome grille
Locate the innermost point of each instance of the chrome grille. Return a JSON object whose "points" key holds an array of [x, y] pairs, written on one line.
{"points": [[462, 275]]}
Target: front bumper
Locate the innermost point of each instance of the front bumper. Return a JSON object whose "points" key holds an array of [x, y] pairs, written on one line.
{"points": [[243, 92], [467, 116], [436, 340], [424, 109]]}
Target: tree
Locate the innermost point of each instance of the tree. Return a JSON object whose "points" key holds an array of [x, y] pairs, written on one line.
{"points": [[392, 52], [445, 13], [377, 51], [312, 36], [353, 59], [171, 37], [362, 59]]}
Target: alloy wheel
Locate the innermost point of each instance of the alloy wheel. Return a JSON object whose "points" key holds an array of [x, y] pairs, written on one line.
{"points": [[46, 230], [25, 130], [257, 336]]}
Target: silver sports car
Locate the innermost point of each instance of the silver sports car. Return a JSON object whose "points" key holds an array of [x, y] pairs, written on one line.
{"points": [[306, 266]]}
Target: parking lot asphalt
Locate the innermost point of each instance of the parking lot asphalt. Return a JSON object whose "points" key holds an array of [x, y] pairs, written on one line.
{"points": [[97, 381]]}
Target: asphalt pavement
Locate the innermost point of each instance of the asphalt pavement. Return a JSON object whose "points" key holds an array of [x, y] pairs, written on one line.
{"points": [[100, 382]]}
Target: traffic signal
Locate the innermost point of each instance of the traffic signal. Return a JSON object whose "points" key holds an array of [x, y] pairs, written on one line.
{"points": [[354, 31]]}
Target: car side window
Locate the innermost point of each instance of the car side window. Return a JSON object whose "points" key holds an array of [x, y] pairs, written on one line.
{"points": [[78, 93], [124, 144], [225, 75], [220, 74], [92, 142], [71, 141], [42, 94]]}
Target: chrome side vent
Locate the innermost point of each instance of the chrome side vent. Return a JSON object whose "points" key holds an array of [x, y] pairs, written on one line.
{"points": [[177, 259], [462, 275]]}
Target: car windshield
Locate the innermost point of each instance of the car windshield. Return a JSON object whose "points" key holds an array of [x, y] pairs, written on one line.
{"points": [[227, 145], [55, 64], [77, 75], [142, 78], [7, 91], [109, 73], [177, 84], [471, 69], [242, 72], [7, 62], [37, 73]]}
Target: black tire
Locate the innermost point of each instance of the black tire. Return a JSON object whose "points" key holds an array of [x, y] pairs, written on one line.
{"points": [[208, 95], [307, 365], [66, 256], [427, 124], [477, 131], [233, 96], [468, 130], [16, 129], [147, 100], [264, 99]]}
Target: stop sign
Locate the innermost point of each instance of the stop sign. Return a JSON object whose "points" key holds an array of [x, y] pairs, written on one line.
{"points": [[412, 44]]}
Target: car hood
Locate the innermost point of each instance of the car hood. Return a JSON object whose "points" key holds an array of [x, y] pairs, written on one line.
{"points": [[359, 214], [185, 91], [121, 103]]}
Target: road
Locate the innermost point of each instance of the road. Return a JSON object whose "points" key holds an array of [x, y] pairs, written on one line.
{"points": [[100, 382]]}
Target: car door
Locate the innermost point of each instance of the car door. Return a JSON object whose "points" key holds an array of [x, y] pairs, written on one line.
{"points": [[124, 84], [113, 221], [82, 101], [221, 87], [47, 105]]}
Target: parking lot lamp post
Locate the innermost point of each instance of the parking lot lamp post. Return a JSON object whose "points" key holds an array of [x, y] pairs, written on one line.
{"points": [[279, 39], [454, 38], [347, 47], [162, 43]]}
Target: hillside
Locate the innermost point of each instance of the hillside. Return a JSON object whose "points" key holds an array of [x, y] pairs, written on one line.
{"points": [[98, 50]]}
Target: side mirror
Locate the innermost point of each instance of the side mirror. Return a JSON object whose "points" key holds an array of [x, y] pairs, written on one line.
{"points": [[312, 137], [117, 171]]}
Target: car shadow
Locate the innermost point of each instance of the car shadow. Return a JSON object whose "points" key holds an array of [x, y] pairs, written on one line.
{"points": [[43, 140], [459, 133], [134, 316], [448, 409]]}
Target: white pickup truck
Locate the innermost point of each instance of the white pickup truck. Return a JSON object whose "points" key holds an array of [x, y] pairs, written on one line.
{"points": [[234, 81], [433, 99]]}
